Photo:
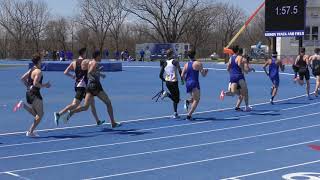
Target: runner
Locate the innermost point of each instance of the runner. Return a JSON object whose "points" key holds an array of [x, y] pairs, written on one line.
{"points": [[170, 67], [274, 66], [190, 74], [94, 88], [302, 62], [315, 64], [237, 66], [80, 68], [32, 79]]}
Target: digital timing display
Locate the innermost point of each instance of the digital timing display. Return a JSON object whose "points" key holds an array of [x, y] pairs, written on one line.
{"points": [[285, 18]]}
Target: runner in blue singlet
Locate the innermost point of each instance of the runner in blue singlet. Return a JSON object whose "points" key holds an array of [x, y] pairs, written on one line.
{"points": [[237, 66], [274, 66], [190, 74]]}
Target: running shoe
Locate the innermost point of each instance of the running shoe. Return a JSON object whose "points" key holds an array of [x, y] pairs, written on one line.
{"points": [[186, 105], [189, 118], [33, 135], [175, 116], [247, 109], [271, 102], [66, 117], [101, 122], [222, 94], [237, 109], [18, 106], [116, 125], [56, 118]]}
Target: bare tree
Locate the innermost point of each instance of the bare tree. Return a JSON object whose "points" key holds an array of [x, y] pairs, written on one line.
{"points": [[57, 34], [14, 18], [82, 37], [4, 43], [230, 21], [117, 24], [97, 15], [72, 31], [168, 18], [201, 25], [39, 15], [141, 33]]}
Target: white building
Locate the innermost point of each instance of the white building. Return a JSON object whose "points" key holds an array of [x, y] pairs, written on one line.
{"points": [[287, 46]]}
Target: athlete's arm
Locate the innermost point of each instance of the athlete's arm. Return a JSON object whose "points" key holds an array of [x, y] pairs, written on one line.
{"points": [[246, 66], [229, 65], [177, 64], [242, 64], [161, 70], [297, 59], [310, 59], [92, 66], [183, 74], [24, 78], [203, 71], [265, 67], [100, 68], [36, 80], [282, 67], [70, 68]]}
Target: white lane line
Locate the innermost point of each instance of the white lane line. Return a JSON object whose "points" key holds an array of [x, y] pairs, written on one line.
{"points": [[227, 118], [164, 137], [164, 127], [216, 69], [146, 119], [75, 163], [151, 118], [158, 151], [16, 175], [163, 150], [38, 142], [172, 166], [292, 145], [273, 170]]}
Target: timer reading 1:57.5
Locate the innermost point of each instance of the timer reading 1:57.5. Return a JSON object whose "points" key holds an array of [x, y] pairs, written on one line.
{"points": [[287, 10]]}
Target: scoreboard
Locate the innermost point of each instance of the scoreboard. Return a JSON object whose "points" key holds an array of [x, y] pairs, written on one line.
{"points": [[285, 18]]}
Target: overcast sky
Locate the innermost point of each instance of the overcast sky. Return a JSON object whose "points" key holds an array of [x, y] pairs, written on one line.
{"points": [[68, 7]]}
